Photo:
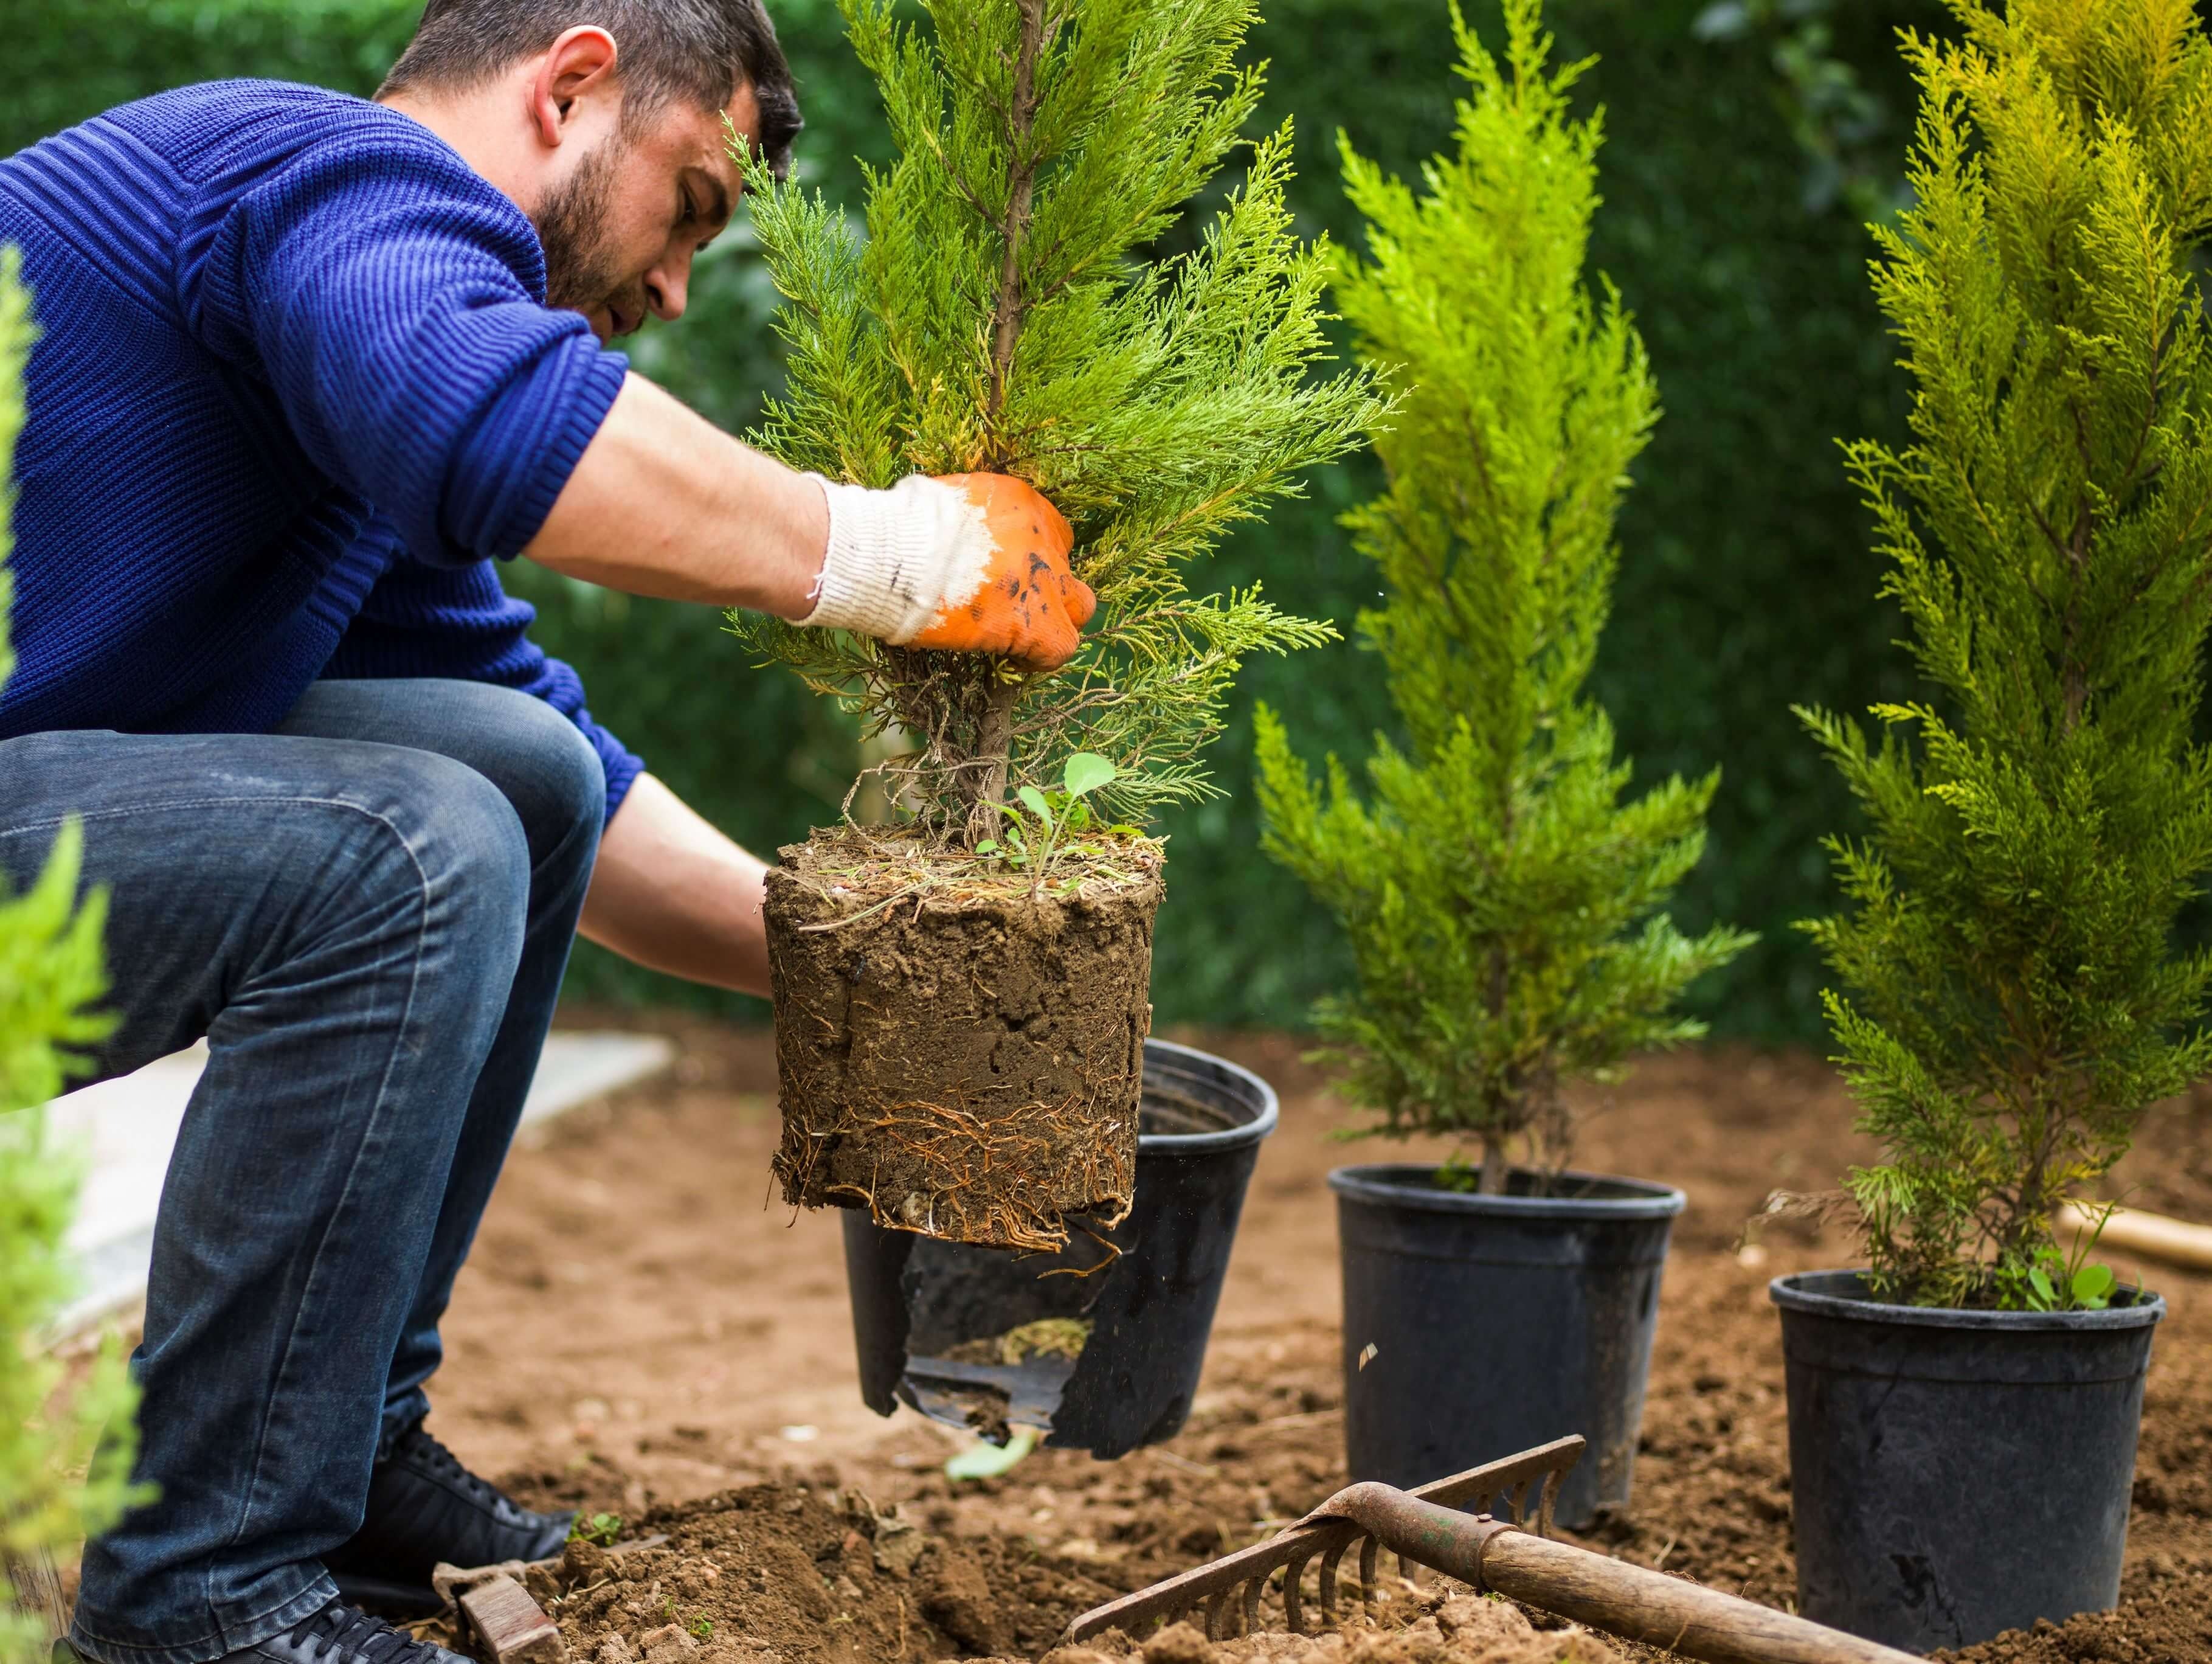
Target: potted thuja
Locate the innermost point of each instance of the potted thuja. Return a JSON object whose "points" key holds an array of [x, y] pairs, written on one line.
{"points": [[1501, 902], [1963, 1410], [962, 995]]}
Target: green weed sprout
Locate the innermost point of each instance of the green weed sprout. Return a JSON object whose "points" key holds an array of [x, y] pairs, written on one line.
{"points": [[1503, 903]]}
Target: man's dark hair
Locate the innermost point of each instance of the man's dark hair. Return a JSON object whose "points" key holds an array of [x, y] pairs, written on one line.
{"points": [[690, 50]]}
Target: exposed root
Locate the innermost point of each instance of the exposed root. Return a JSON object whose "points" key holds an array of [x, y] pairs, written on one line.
{"points": [[973, 1168]]}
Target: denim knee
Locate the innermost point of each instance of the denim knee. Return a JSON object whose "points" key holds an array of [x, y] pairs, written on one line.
{"points": [[452, 836], [549, 771]]}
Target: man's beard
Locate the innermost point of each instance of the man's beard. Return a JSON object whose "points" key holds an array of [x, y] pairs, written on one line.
{"points": [[581, 271]]}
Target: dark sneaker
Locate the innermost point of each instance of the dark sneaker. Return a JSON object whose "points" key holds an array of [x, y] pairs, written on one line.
{"points": [[336, 1635], [424, 1507]]}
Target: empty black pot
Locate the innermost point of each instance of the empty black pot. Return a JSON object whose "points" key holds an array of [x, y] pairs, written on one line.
{"points": [[1957, 1474], [1477, 1325], [927, 1314]]}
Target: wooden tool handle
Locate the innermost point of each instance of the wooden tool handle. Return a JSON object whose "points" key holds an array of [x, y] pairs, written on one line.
{"points": [[1665, 1612], [2131, 1230]]}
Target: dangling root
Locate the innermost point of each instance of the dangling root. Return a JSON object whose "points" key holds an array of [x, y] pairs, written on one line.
{"points": [[975, 1170]]}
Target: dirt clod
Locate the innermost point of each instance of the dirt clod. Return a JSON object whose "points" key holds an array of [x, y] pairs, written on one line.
{"points": [[957, 1598]]}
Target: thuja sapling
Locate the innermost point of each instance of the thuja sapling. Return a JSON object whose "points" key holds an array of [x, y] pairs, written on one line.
{"points": [[2013, 993], [1501, 902], [961, 1045], [50, 974]]}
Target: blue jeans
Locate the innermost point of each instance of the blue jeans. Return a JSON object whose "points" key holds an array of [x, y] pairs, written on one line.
{"points": [[366, 914]]}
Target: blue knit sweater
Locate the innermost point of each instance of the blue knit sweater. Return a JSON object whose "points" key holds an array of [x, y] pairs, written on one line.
{"points": [[296, 389]]}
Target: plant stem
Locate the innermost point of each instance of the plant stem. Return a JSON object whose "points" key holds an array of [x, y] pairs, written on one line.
{"points": [[1494, 1165], [993, 744], [1021, 196], [994, 731]]}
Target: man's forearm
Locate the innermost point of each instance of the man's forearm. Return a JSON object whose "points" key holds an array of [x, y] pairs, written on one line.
{"points": [[674, 894], [664, 504]]}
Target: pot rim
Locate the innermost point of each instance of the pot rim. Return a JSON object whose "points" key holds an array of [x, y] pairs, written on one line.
{"points": [[1386, 1183], [1791, 1294], [1210, 1143]]}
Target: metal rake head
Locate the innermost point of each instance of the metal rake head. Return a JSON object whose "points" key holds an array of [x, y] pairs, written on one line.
{"points": [[1228, 1590]]}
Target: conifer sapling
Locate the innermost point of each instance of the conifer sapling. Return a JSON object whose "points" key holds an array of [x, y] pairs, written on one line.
{"points": [[999, 315], [962, 1002], [2013, 994], [50, 972], [1501, 900]]}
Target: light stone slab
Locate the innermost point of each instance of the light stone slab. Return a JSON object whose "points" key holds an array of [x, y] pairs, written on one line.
{"points": [[123, 1130]]}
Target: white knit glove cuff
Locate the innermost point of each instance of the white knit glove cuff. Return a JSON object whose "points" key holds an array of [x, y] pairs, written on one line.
{"points": [[898, 558]]}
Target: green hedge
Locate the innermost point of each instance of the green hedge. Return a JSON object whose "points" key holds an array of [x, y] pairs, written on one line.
{"points": [[1746, 584]]}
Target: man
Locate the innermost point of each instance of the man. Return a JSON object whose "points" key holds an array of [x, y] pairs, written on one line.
{"points": [[310, 366]]}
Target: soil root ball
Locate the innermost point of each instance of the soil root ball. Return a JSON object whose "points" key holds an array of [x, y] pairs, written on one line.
{"points": [[960, 1050]]}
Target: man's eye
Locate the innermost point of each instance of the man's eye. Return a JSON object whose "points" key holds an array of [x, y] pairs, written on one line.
{"points": [[688, 213]]}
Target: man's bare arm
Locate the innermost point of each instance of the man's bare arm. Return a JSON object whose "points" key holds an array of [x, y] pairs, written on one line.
{"points": [[664, 503], [674, 894]]}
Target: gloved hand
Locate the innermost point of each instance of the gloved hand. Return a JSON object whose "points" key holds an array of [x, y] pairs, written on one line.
{"points": [[969, 563]]}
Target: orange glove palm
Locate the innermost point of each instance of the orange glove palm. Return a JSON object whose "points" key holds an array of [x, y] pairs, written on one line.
{"points": [[1025, 603], [971, 563]]}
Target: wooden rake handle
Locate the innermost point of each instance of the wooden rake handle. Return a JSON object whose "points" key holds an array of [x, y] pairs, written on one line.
{"points": [[1593, 1590]]}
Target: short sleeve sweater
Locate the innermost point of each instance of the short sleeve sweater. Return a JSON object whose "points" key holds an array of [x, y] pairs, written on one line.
{"points": [[295, 380]]}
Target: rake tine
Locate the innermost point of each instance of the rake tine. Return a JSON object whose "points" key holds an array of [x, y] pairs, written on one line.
{"points": [[1516, 1503], [1216, 1617], [1179, 1599], [1293, 1602], [1550, 1489], [1329, 1562]]}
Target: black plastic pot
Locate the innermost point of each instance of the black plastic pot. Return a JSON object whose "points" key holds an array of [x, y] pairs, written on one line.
{"points": [[1956, 1474], [915, 1299], [1477, 1325]]}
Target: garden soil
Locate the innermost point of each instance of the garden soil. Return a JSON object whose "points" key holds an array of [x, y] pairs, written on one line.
{"points": [[642, 1330], [963, 1060]]}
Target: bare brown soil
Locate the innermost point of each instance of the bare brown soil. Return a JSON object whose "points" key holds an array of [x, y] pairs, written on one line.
{"points": [[964, 1060], [638, 1332]]}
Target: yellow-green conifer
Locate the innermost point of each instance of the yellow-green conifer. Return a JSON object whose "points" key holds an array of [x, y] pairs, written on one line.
{"points": [[2013, 995], [1503, 903]]}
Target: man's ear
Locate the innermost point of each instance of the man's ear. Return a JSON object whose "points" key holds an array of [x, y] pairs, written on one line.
{"points": [[580, 64]]}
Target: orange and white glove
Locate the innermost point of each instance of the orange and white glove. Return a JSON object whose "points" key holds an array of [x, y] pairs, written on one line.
{"points": [[969, 563]]}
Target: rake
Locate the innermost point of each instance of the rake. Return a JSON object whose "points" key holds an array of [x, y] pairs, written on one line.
{"points": [[1510, 1552]]}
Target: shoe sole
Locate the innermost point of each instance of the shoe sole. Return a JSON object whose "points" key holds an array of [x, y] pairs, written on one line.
{"points": [[405, 1602]]}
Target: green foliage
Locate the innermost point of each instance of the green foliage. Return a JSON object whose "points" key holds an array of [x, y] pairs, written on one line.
{"points": [[604, 1529], [50, 972], [2015, 997], [1051, 823], [1751, 585], [994, 318], [1501, 900]]}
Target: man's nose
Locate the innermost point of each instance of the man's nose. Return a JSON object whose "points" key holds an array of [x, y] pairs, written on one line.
{"points": [[668, 287]]}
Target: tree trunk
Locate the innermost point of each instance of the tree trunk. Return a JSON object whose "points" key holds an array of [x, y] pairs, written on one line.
{"points": [[1495, 1165]]}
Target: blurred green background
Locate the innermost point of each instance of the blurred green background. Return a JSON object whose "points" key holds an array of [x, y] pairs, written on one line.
{"points": [[1749, 141]]}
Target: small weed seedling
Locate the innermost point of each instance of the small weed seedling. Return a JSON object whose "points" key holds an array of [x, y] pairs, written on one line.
{"points": [[1030, 842], [603, 1529]]}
